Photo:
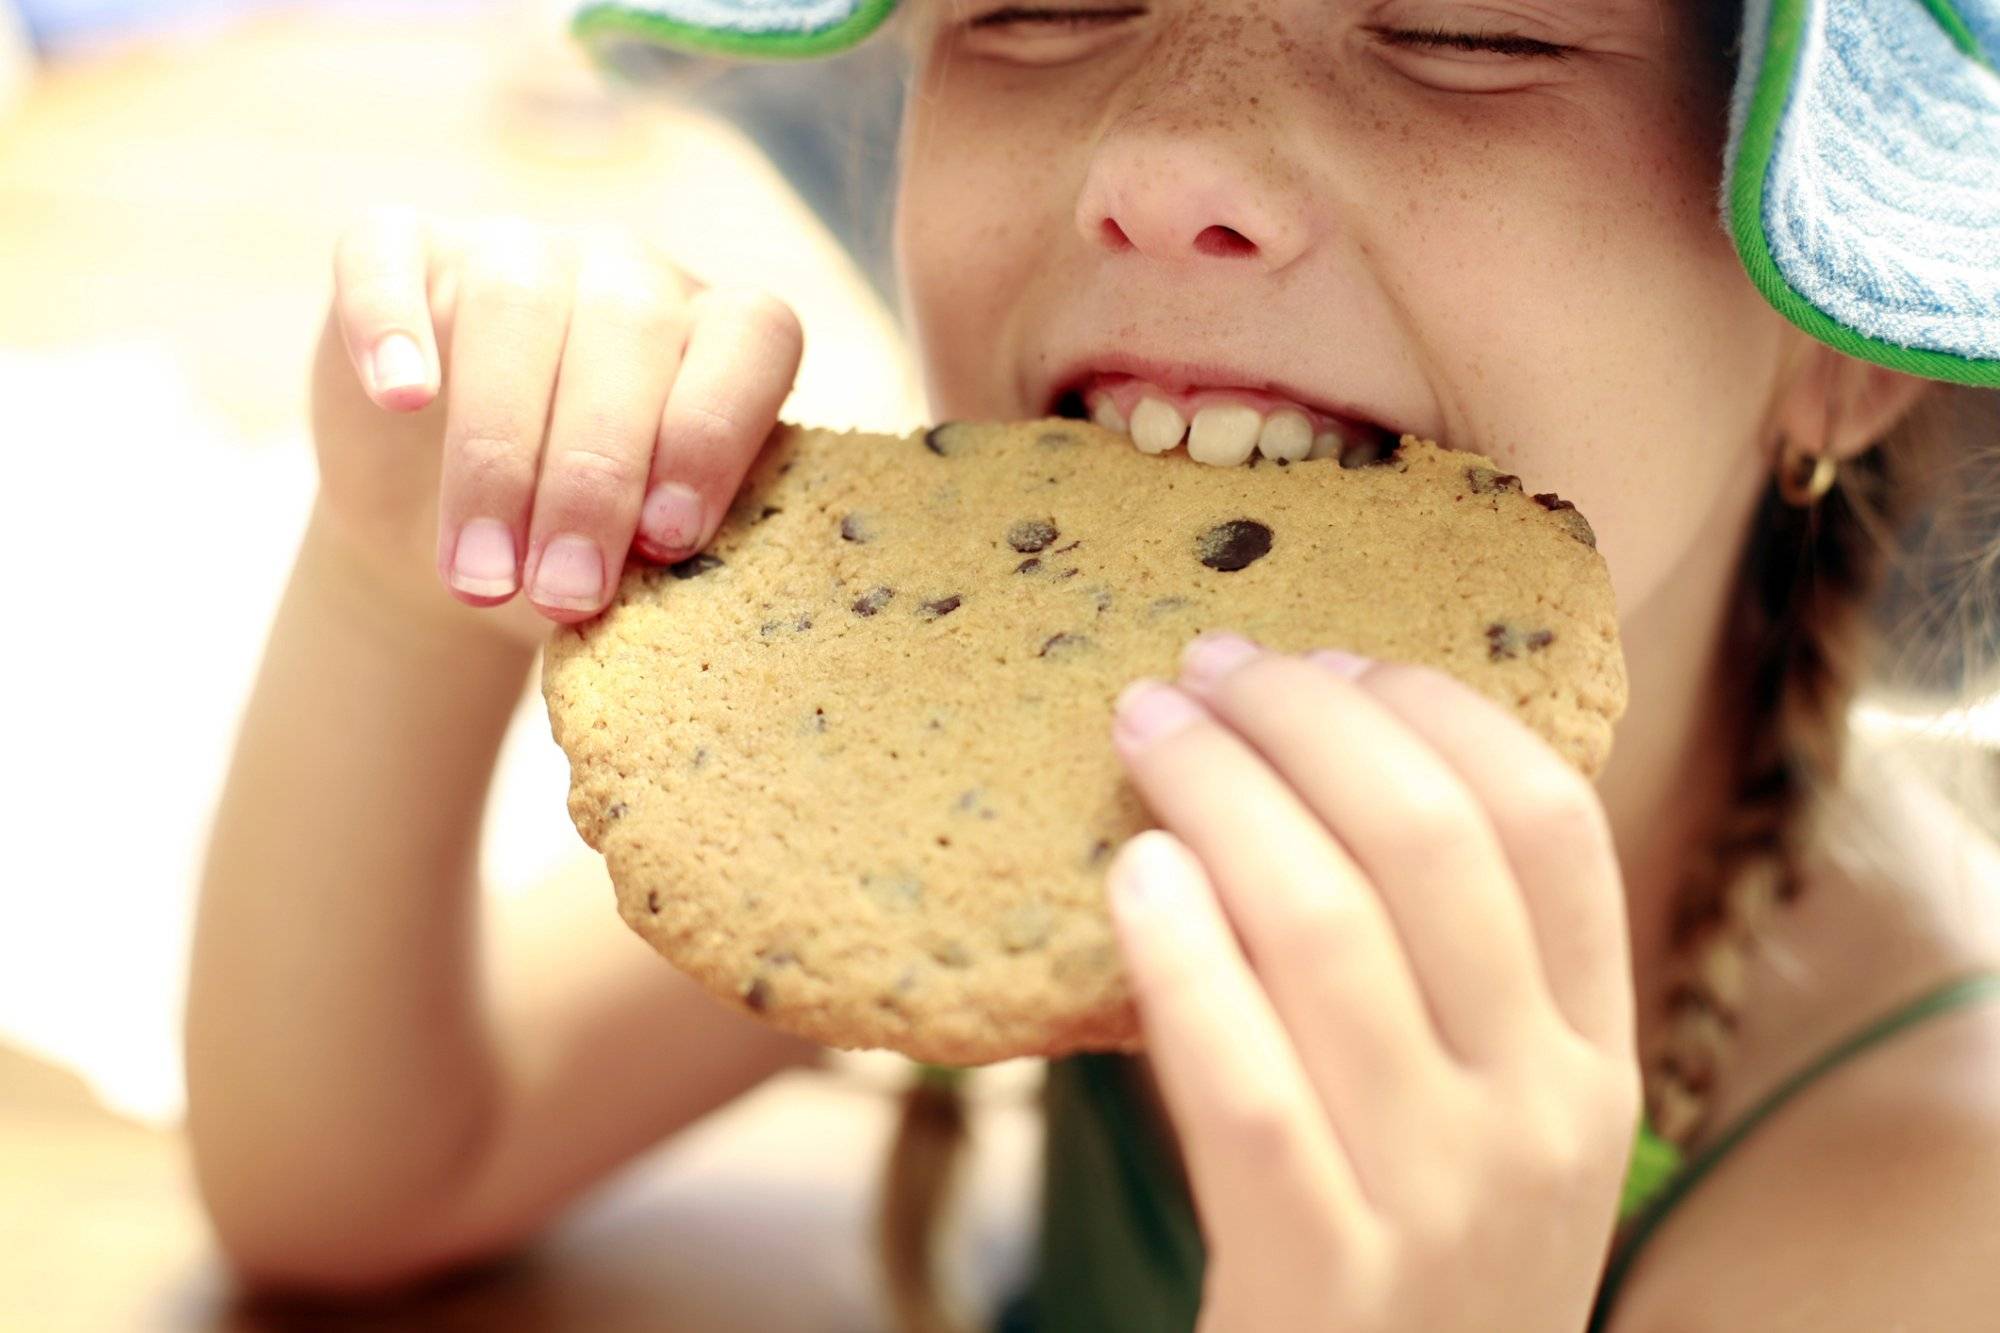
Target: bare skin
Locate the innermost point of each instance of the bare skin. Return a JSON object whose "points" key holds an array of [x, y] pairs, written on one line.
{"points": [[338, 997], [1509, 254]]}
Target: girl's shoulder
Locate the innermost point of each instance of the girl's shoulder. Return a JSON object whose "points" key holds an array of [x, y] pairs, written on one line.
{"points": [[1872, 1198], [1868, 1202]]}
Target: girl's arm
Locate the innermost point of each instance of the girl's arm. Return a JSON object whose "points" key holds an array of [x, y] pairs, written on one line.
{"points": [[364, 1105], [508, 411]]}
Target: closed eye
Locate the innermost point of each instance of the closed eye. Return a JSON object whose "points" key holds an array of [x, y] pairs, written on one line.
{"points": [[1500, 43], [1067, 18]]}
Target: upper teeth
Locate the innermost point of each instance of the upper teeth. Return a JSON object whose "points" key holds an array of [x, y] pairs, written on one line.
{"points": [[1156, 426], [1107, 415], [1223, 434], [1286, 434]]}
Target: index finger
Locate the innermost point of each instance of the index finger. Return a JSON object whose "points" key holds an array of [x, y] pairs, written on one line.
{"points": [[381, 279], [1263, 1158]]}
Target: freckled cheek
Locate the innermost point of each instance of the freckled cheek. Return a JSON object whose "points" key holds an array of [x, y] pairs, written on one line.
{"points": [[1579, 300], [1562, 249], [977, 215]]}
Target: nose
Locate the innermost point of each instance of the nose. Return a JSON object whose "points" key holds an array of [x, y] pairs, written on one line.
{"points": [[1173, 179]]}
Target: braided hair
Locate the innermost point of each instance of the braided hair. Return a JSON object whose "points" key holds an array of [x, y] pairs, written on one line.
{"points": [[1809, 620]]}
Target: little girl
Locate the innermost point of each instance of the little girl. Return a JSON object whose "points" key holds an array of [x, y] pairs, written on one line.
{"points": [[1407, 982]]}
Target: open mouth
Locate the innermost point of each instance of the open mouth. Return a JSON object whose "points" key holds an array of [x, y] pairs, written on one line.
{"points": [[1220, 425]]}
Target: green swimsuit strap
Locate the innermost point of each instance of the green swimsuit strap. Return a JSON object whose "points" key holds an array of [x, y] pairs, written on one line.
{"points": [[1980, 984]]}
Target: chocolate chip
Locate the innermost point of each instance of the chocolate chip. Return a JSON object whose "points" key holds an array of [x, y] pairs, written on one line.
{"points": [[1505, 641], [694, 566], [617, 811], [1067, 573], [946, 439], [1571, 517], [868, 603], [1031, 534], [1098, 851], [972, 800], [1063, 644], [940, 608], [1102, 598], [1491, 481], [802, 624], [855, 528], [1025, 927], [1029, 566], [895, 893], [818, 719], [1085, 962], [1071, 547], [757, 995], [768, 511], [653, 901], [1232, 545]]}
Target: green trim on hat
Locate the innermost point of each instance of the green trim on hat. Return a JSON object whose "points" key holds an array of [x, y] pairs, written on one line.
{"points": [[597, 23], [1746, 211], [1958, 29]]}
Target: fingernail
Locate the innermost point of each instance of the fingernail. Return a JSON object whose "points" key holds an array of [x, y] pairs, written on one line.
{"points": [[1209, 657], [399, 363], [1149, 876], [1338, 662], [571, 575], [671, 518], [1149, 710], [483, 564]]}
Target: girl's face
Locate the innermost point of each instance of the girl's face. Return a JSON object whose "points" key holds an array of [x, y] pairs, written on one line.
{"points": [[1511, 251]]}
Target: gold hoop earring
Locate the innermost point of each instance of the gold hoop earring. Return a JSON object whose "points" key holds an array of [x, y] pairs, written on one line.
{"points": [[1804, 478]]}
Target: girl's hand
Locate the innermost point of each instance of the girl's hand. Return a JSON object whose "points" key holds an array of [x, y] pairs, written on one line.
{"points": [[1407, 1095], [586, 383]]}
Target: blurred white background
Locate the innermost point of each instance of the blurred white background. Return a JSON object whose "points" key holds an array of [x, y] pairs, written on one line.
{"points": [[162, 288], [172, 180]]}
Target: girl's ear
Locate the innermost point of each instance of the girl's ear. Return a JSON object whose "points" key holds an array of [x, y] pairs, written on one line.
{"points": [[1840, 405]]}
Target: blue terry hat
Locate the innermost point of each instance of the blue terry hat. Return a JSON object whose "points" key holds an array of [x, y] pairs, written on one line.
{"points": [[1861, 180]]}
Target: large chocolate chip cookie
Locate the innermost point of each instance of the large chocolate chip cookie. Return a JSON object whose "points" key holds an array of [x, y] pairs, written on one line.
{"points": [[851, 766]]}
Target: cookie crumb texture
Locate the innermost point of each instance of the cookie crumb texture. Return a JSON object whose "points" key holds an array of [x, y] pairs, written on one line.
{"points": [[851, 766]]}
